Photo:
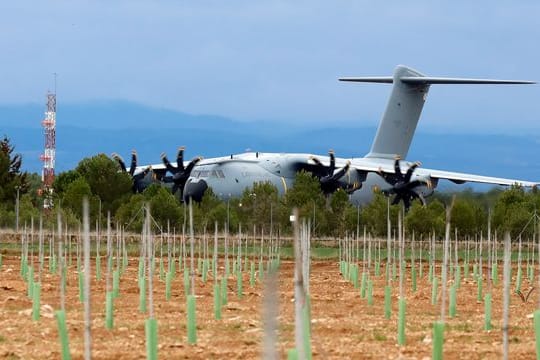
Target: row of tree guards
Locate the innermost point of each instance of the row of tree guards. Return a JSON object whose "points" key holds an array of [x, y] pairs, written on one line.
{"points": [[457, 256], [173, 258], [162, 256]]}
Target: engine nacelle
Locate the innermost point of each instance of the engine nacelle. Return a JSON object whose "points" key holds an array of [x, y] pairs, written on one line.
{"points": [[428, 190]]}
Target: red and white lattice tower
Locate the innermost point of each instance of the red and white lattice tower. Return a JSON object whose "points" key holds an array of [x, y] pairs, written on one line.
{"points": [[49, 156]]}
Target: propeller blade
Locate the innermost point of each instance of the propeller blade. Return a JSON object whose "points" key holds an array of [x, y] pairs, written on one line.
{"points": [[120, 161], [167, 163], [389, 178], [138, 185], [397, 169], [330, 181], [410, 171], [180, 174], [192, 164], [332, 162], [180, 158], [316, 161], [133, 162], [402, 185], [341, 172], [407, 203]]}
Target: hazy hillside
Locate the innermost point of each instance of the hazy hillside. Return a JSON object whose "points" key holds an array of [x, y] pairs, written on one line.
{"points": [[107, 127]]}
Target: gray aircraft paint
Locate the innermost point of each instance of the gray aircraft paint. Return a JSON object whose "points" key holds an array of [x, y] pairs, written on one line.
{"points": [[398, 124], [394, 136]]}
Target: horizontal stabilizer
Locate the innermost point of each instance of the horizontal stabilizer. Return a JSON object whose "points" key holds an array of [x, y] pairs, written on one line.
{"points": [[370, 79], [439, 80], [425, 80]]}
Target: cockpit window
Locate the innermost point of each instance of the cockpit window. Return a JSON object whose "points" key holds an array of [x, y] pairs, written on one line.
{"points": [[208, 174]]}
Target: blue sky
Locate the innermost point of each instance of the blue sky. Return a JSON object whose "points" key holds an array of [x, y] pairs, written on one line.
{"points": [[276, 60]]}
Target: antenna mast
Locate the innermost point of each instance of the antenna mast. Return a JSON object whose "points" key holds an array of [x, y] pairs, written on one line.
{"points": [[49, 155]]}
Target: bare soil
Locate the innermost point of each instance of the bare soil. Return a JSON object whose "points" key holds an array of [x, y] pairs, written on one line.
{"points": [[343, 324]]}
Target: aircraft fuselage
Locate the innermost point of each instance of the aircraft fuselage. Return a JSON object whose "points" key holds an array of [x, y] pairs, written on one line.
{"points": [[230, 176]]}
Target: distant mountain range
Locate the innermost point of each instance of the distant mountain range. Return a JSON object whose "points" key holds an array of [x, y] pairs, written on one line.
{"points": [[118, 126]]}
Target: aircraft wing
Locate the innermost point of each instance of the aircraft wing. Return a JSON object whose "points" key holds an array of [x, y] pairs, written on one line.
{"points": [[387, 166], [462, 177]]}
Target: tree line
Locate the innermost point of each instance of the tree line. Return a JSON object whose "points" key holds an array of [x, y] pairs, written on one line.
{"points": [[260, 207]]}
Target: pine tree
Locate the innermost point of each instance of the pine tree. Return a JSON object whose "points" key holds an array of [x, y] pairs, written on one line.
{"points": [[11, 176]]}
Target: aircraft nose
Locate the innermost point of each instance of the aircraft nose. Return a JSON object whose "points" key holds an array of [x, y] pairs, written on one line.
{"points": [[195, 189]]}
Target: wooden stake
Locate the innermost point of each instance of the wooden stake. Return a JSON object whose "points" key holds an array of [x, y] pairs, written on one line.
{"points": [[506, 293], [445, 258], [87, 307], [299, 297], [270, 316]]}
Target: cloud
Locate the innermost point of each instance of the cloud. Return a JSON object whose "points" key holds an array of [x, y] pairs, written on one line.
{"points": [[272, 59]]}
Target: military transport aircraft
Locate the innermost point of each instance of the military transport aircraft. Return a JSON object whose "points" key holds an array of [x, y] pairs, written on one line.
{"points": [[382, 168]]}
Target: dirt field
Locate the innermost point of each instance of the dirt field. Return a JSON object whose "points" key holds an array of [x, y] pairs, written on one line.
{"points": [[343, 324]]}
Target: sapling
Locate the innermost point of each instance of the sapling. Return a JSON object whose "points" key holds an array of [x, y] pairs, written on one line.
{"points": [[420, 266], [480, 278], [402, 300], [299, 295], [98, 255], [36, 286], [506, 292], [187, 278], [467, 257], [270, 316], [87, 303], [413, 264], [394, 257], [246, 252], [388, 287], [226, 270], [40, 254], [261, 264], [183, 246], [69, 248], [536, 316], [169, 273], [31, 277], [438, 326], [215, 258], [475, 265], [226, 244], [495, 265], [340, 256], [61, 314], [378, 258], [161, 266], [363, 284], [217, 287], [150, 323], [519, 275], [109, 302], [487, 297], [238, 270], [457, 268], [205, 256], [142, 270], [306, 309], [191, 306]]}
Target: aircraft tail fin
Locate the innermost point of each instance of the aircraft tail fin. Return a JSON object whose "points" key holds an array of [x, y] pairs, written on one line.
{"points": [[409, 91]]}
